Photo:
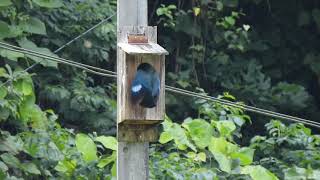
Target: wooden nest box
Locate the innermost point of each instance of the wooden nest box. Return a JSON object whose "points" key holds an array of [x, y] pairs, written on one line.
{"points": [[137, 45]]}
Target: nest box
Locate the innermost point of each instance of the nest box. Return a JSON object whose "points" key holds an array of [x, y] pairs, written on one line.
{"points": [[137, 45]]}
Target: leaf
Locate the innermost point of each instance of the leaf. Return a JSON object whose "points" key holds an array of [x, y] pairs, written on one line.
{"points": [[3, 92], [221, 145], [114, 170], [165, 137], [12, 144], [25, 86], [49, 3], [258, 173], [196, 11], [87, 147], [202, 156], [3, 166], [25, 43], [32, 113], [107, 160], [11, 54], [224, 162], [246, 27], [4, 29], [178, 134], [30, 168], [219, 5], [200, 132], [34, 25], [230, 20], [66, 166], [225, 127], [108, 142], [295, 173], [10, 160], [5, 3], [245, 155]]}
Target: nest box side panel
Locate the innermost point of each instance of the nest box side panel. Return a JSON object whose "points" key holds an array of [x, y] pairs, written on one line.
{"points": [[134, 113], [121, 85]]}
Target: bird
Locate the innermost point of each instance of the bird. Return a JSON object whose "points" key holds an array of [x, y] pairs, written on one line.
{"points": [[145, 86]]}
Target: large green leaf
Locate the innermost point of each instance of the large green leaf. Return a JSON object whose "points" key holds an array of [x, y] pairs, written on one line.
{"points": [[3, 92], [221, 145], [245, 155], [3, 166], [224, 162], [11, 54], [4, 30], [12, 144], [165, 137], [225, 128], [25, 43], [178, 134], [30, 168], [66, 166], [107, 160], [48, 3], [200, 132], [31, 113], [34, 25], [87, 147], [10, 160], [5, 3], [258, 173], [25, 86], [108, 142]]}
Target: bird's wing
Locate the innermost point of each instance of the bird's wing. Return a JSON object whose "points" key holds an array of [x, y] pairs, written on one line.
{"points": [[138, 87]]}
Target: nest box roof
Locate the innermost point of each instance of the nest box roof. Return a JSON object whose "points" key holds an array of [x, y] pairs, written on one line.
{"points": [[143, 48]]}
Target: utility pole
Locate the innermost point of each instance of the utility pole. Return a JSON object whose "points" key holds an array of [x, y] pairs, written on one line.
{"points": [[132, 157]]}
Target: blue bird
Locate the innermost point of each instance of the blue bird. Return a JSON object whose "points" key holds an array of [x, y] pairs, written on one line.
{"points": [[145, 87]]}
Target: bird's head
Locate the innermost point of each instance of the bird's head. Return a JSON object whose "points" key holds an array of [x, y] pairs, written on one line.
{"points": [[146, 67]]}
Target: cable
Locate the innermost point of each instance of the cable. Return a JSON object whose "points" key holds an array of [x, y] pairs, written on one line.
{"points": [[62, 47], [56, 59], [168, 88], [245, 106], [60, 60], [86, 32]]}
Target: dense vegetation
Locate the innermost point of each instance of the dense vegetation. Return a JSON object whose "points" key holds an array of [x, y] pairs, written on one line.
{"points": [[58, 122]]}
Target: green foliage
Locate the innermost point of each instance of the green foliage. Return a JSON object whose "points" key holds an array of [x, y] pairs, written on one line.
{"points": [[40, 148], [289, 151], [204, 148], [249, 48], [254, 49]]}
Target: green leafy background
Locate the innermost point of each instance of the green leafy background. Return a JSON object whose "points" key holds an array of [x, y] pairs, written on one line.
{"points": [[57, 122]]}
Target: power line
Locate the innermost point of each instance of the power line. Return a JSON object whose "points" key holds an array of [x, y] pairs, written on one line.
{"points": [[245, 107], [107, 73], [86, 32], [50, 57], [60, 48]]}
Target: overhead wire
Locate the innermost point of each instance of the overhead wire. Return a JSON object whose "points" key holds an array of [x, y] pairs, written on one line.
{"points": [[245, 107], [59, 49], [107, 73]]}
